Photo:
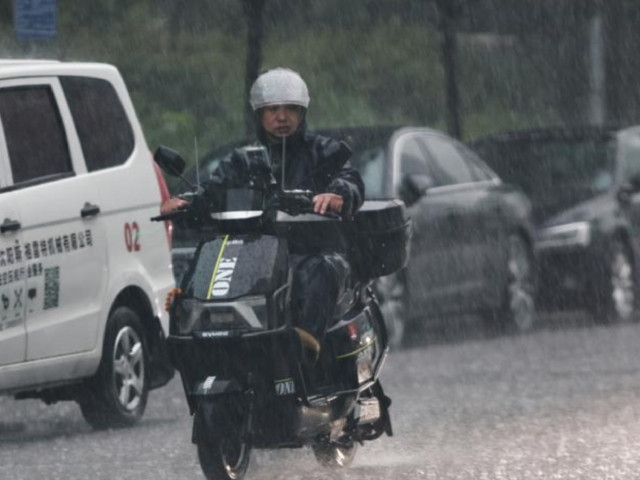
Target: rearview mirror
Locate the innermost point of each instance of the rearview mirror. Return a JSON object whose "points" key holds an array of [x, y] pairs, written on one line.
{"points": [[169, 161], [413, 186], [628, 189], [624, 193], [257, 164], [634, 183]]}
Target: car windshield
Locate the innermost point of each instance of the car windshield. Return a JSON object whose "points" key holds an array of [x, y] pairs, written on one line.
{"points": [[557, 172]]}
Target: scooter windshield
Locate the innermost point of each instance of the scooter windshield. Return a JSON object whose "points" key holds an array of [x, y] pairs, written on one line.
{"points": [[243, 200]]}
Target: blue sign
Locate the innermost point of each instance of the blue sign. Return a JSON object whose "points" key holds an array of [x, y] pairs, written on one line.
{"points": [[35, 18]]}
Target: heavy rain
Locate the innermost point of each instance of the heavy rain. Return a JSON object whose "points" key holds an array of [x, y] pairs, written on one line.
{"points": [[492, 286]]}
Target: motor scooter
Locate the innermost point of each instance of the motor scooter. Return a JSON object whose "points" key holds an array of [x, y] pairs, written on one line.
{"points": [[252, 379]]}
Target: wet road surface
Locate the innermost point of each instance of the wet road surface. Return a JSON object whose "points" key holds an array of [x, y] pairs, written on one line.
{"points": [[562, 402]]}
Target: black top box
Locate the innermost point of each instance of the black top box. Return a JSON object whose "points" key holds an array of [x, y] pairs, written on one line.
{"points": [[381, 238]]}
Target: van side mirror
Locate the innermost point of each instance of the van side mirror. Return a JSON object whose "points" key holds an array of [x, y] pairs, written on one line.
{"points": [[413, 186], [169, 161]]}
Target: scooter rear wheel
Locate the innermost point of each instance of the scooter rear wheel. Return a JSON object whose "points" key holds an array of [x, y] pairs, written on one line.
{"points": [[334, 456], [223, 453]]}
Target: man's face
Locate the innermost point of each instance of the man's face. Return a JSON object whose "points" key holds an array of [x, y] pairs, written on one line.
{"points": [[281, 120]]}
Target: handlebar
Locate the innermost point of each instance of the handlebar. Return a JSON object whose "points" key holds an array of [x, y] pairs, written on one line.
{"points": [[292, 202], [169, 216]]}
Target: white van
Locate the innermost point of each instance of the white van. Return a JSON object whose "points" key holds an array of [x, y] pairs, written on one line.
{"points": [[83, 271]]}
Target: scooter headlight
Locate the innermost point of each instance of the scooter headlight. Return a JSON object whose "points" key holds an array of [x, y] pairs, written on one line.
{"points": [[193, 315]]}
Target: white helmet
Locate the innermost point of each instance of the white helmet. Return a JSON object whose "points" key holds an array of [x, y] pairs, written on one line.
{"points": [[278, 87]]}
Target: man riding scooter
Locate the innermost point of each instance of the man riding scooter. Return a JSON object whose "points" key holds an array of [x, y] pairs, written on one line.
{"points": [[266, 264], [299, 160]]}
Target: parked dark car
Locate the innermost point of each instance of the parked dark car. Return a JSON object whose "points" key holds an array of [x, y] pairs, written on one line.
{"points": [[472, 246], [584, 185]]}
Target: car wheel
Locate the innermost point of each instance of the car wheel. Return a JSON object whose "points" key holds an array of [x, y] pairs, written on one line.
{"points": [[616, 301], [117, 395], [518, 312], [391, 293]]}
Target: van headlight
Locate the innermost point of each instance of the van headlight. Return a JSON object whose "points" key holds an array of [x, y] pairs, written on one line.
{"points": [[569, 234], [194, 315]]}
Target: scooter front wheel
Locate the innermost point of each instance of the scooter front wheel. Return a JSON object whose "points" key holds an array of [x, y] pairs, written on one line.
{"points": [[335, 456], [223, 452]]}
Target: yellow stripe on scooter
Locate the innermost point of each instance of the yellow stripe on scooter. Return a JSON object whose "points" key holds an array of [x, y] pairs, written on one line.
{"points": [[355, 352], [215, 269]]}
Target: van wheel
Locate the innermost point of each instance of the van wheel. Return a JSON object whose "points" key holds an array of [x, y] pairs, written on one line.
{"points": [[117, 395], [615, 302]]}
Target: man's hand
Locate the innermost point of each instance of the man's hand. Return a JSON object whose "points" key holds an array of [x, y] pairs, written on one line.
{"points": [[172, 204], [327, 202]]}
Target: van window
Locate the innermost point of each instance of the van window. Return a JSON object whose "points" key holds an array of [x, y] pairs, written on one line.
{"points": [[105, 133], [35, 136]]}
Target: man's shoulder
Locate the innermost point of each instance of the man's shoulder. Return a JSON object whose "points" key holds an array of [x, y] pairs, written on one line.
{"points": [[323, 146], [319, 139]]}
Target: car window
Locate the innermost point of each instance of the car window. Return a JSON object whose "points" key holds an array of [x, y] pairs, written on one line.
{"points": [[102, 124], [447, 161], [479, 170], [35, 136], [413, 158]]}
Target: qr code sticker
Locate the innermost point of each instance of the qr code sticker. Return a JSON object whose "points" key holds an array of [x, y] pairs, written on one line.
{"points": [[51, 287]]}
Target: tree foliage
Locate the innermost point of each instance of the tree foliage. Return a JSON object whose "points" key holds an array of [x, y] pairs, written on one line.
{"points": [[520, 63]]}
